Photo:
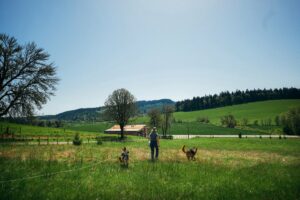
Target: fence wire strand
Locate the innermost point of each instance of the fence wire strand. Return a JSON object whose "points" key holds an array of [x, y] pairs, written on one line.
{"points": [[52, 173]]}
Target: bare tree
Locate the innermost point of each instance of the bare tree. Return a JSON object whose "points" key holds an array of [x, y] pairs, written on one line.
{"points": [[167, 113], [155, 117], [120, 106], [26, 79]]}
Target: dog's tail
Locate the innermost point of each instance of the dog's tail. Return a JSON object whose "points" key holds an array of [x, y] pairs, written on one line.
{"points": [[183, 149], [195, 150]]}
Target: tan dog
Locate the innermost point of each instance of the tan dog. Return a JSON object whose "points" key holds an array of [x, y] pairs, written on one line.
{"points": [[190, 154], [124, 158]]}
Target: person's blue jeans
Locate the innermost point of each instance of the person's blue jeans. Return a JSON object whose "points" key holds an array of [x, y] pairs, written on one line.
{"points": [[153, 145]]}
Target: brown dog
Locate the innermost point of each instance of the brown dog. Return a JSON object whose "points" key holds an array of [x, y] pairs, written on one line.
{"points": [[124, 158], [190, 154]]}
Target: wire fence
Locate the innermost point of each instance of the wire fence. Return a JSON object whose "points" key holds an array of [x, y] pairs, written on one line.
{"points": [[52, 173]]}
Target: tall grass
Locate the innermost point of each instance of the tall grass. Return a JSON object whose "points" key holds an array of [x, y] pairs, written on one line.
{"points": [[224, 169]]}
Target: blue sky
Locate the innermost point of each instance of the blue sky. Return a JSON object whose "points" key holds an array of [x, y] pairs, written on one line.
{"points": [[160, 48]]}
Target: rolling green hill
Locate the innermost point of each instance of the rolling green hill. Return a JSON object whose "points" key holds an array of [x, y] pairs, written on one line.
{"points": [[263, 110], [93, 114], [252, 111]]}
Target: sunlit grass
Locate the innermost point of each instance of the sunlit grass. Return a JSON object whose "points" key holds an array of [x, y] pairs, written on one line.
{"points": [[224, 169]]}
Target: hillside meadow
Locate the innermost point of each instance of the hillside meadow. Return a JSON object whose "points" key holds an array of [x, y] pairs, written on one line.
{"points": [[194, 128], [224, 169], [252, 111], [186, 122], [28, 130]]}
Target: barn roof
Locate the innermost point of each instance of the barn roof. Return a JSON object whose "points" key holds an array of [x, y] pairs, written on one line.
{"points": [[127, 128]]}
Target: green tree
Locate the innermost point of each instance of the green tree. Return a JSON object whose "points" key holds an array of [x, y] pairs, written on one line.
{"points": [[291, 122], [120, 106], [77, 140], [27, 80]]}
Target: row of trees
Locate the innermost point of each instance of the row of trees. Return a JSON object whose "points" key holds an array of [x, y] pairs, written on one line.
{"points": [[237, 97]]}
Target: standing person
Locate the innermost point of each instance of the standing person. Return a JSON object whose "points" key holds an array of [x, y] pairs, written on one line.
{"points": [[154, 143]]}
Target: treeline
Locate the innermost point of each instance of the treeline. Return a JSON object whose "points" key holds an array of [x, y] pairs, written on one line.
{"points": [[35, 122], [238, 97]]}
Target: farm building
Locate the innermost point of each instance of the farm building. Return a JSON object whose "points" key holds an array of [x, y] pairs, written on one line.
{"points": [[139, 130]]}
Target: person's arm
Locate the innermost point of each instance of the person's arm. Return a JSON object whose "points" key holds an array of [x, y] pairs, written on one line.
{"points": [[148, 136]]}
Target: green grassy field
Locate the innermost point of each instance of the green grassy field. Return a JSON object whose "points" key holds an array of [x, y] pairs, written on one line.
{"points": [[98, 127], [224, 169], [252, 111], [27, 130], [194, 128]]}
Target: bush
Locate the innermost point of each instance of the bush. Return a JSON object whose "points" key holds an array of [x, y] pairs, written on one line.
{"points": [[229, 121], [255, 122], [291, 121], [77, 140], [99, 140], [244, 121], [179, 121], [203, 120]]}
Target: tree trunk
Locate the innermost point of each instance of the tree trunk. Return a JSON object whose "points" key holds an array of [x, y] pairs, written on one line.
{"points": [[122, 131]]}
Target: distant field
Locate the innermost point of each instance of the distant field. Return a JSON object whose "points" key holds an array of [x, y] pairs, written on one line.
{"points": [[193, 128], [196, 128], [224, 169], [27, 130], [96, 127], [252, 111]]}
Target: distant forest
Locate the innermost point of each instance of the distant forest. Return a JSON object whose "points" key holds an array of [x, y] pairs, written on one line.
{"points": [[237, 97]]}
